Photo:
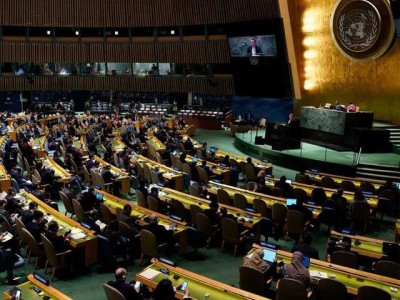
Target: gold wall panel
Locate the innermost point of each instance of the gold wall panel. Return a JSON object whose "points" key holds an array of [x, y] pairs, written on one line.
{"points": [[327, 76]]}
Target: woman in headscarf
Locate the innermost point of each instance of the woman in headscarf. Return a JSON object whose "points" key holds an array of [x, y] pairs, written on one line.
{"points": [[257, 262], [296, 270]]}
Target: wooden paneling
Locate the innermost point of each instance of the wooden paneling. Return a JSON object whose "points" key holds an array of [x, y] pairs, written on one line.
{"points": [[190, 52], [123, 83], [133, 13]]}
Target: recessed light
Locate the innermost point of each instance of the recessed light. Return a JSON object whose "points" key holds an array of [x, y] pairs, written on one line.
{"points": [[48, 32], [116, 32], [76, 32], [172, 31]]}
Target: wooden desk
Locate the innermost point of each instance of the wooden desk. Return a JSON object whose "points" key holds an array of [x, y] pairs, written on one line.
{"points": [[213, 187], [308, 188], [14, 134], [88, 242], [216, 169], [157, 144], [188, 130], [353, 279], [27, 292], [180, 231], [198, 284], [167, 173], [167, 195], [123, 177], [317, 177], [366, 246], [397, 232], [39, 146]]}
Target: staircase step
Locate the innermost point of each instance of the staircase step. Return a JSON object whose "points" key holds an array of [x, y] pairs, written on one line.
{"points": [[379, 167], [377, 176]]}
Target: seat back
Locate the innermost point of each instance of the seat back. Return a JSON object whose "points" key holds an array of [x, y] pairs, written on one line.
{"points": [[19, 225], [388, 269], [14, 184], [149, 244], [147, 172], [33, 245], [125, 230], [153, 204], [290, 289], [203, 176], [230, 231], [240, 201], [154, 177], [367, 292], [250, 172], [80, 214], [178, 209], [49, 251], [277, 192], [329, 289], [134, 182], [348, 185], [223, 197], [251, 185], [186, 168], [69, 208], [194, 210], [106, 214], [252, 280], [361, 212], [203, 224], [300, 194], [328, 182], [302, 178], [260, 206], [368, 187], [279, 211], [141, 201], [294, 222], [194, 191], [112, 293], [345, 258]]}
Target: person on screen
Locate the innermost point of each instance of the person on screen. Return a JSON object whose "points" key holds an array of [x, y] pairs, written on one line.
{"points": [[254, 50]]}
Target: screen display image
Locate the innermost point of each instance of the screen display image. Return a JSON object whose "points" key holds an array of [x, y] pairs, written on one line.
{"points": [[306, 261], [269, 255], [291, 202], [246, 46]]}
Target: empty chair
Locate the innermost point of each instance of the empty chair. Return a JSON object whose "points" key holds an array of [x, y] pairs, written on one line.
{"points": [[390, 194], [302, 178], [194, 210], [290, 289], [79, 212], [69, 208], [260, 207], [106, 215], [178, 209], [112, 293], [360, 214], [251, 185], [149, 245], [388, 268], [194, 191], [345, 258], [294, 223], [141, 200], [328, 182], [134, 182], [33, 246], [223, 197], [372, 293], [19, 262], [384, 206], [203, 176], [252, 280], [153, 204], [239, 201], [250, 172], [186, 168], [204, 226], [279, 212], [56, 260], [348, 185], [329, 289], [231, 234], [367, 187]]}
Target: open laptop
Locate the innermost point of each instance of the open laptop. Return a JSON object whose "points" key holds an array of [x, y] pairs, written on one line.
{"points": [[269, 256], [290, 201], [99, 196], [195, 159], [213, 149]]}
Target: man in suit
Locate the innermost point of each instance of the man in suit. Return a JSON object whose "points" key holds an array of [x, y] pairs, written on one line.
{"points": [[129, 291], [27, 215], [306, 248], [36, 226], [161, 233], [60, 242], [254, 50]]}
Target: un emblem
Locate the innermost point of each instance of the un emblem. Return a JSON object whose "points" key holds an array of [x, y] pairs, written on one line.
{"points": [[362, 29]]}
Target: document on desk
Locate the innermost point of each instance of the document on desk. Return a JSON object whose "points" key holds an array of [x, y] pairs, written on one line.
{"points": [[78, 236], [168, 227], [149, 273], [318, 274]]}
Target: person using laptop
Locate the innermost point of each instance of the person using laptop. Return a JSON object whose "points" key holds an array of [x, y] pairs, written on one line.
{"points": [[296, 269], [257, 262], [305, 247]]}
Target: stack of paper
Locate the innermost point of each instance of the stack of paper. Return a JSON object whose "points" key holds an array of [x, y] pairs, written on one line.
{"points": [[318, 274]]}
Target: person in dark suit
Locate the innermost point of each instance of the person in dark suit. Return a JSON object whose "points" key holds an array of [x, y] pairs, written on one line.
{"points": [[89, 200], [60, 242], [15, 173], [58, 160], [27, 215], [284, 186], [161, 233], [13, 205], [90, 222], [36, 226], [253, 49], [129, 291], [306, 248]]}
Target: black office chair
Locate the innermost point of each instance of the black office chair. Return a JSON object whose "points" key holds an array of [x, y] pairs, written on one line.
{"points": [[372, 293], [384, 206], [4, 256], [388, 269], [329, 289], [345, 258], [328, 217]]}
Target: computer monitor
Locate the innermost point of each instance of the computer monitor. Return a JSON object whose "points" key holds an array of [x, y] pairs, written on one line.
{"points": [[87, 226], [195, 159], [269, 245], [367, 192], [213, 149], [99, 196], [290, 201], [175, 152], [398, 185]]}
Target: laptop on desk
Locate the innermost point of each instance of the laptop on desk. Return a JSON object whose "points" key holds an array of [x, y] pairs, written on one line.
{"points": [[291, 201], [269, 256]]}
